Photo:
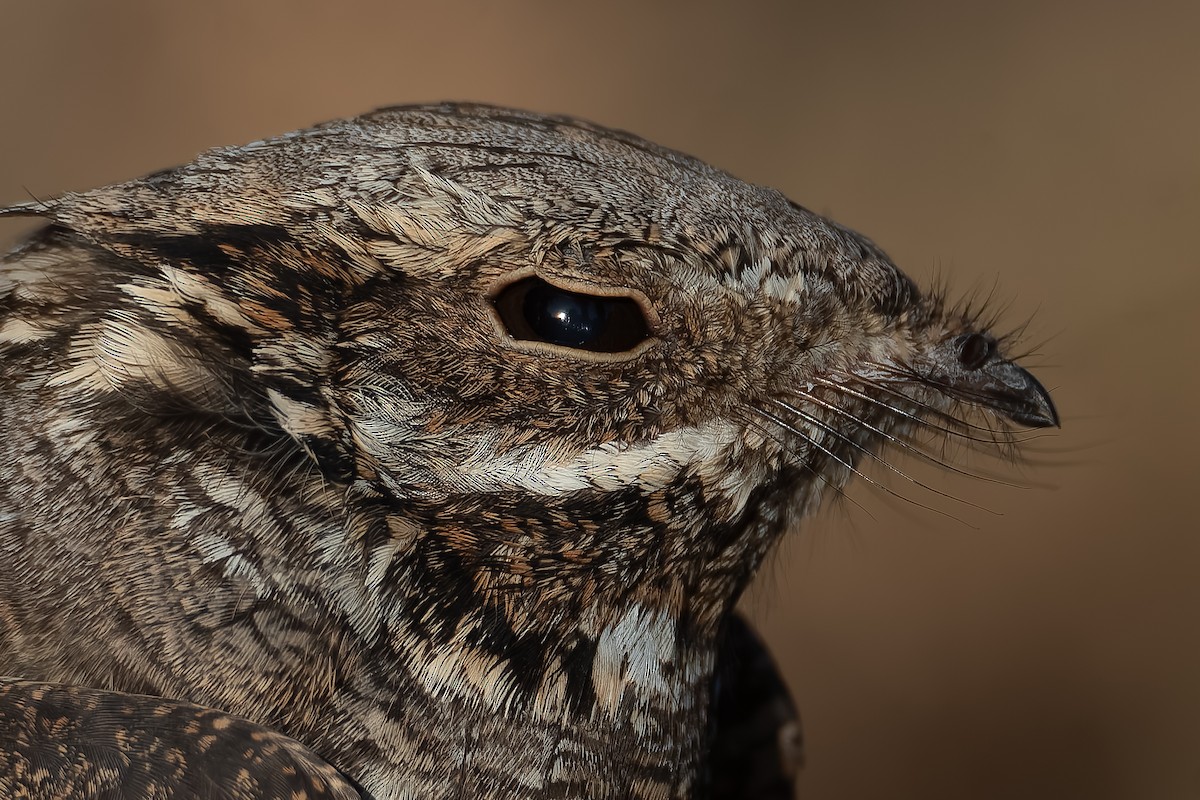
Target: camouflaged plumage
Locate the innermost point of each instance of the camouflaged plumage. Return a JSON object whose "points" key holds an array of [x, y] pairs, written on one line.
{"points": [[268, 448]]}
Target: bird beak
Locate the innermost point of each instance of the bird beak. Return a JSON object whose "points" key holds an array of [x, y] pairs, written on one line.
{"points": [[1012, 391], [970, 368]]}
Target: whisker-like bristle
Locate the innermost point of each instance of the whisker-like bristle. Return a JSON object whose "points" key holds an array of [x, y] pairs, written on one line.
{"points": [[900, 441], [851, 468], [875, 456], [912, 417], [790, 447]]}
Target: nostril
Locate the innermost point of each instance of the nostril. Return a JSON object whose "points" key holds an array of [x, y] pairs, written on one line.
{"points": [[975, 350]]}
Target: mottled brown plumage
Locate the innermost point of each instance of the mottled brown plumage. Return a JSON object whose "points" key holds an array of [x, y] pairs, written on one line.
{"points": [[71, 743], [284, 436]]}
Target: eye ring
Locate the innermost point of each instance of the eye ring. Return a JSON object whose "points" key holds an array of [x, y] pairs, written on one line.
{"points": [[582, 320]]}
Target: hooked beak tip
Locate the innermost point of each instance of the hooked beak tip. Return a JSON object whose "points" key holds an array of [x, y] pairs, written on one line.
{"points": [[970, 368], [1040, 411], [1020, 396]]}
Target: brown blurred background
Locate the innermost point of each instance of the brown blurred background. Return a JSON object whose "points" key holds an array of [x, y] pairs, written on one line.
{"points": [[1050, 650]]}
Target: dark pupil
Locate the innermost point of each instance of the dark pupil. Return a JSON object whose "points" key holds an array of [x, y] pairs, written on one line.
{"points": [[565, 318], [534, 310], [975, 350]]}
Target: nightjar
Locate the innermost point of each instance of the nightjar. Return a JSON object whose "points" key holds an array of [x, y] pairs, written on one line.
{"points": [[425, 454]]}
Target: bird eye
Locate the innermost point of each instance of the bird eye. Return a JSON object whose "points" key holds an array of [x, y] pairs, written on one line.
{"points": [[534, 310], [974, 350]]}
